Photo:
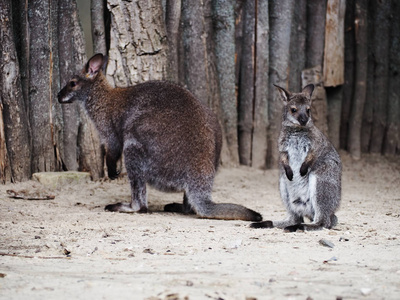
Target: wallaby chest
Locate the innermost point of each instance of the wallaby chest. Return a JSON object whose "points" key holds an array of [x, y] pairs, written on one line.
{"points": [[296, 145]]}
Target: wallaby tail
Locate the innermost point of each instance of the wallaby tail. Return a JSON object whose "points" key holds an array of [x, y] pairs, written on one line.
{"points": [[228, 211]]}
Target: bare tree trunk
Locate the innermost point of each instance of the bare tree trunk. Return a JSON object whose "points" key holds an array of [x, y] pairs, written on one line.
{"points": [[281, 14], [67, 69], [42, 85], [361, 64], [224, 37], [392, 141], [5, 172], [380, 44], [334, 65], [14, 118], [260, 115], [348, 88], [298, 45], [246, 84], [97, 8], [138, 50], [195, 51], [319, 105], [172, 22], [90, 150], [21, 39]]}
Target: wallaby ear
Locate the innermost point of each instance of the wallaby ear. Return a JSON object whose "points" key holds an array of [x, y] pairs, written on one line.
{"points": [[308, 90], [284, 93], [95, 64]]}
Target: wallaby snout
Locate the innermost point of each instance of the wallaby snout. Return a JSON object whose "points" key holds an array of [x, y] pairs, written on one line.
{"points": [[303, 119]]}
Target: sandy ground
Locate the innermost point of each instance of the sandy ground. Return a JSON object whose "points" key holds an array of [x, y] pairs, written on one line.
{"points": [[70, 248]]}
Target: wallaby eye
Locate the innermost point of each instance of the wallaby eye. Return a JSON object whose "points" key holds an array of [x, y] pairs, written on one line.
{"points": [[293, 110], [72, 84], [308, 110]]}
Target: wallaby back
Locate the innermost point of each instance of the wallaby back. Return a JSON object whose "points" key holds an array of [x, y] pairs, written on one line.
{"points": [[169, 139], [310, 167]]}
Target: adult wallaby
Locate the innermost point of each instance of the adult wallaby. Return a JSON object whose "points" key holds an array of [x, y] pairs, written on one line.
{"points": [[310, 168], [169, 140]]}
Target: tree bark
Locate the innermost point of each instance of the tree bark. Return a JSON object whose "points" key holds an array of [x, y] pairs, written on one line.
{"points": [[319, 105], [348, 87], [224, 36], [316, 19], [392, 136], [14, 117], [97, 8], [172, 22], [361, 64], [380, 46], [298, 45], [90, 150], [334, 43], [246, 84], [43, 73], [281, 14], [194, 48], [138, 50], [260, 115], [67, 69]]}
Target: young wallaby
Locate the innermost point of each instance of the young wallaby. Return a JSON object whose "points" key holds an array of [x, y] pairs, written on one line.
{"points": [[169, 139], [310, 168]]}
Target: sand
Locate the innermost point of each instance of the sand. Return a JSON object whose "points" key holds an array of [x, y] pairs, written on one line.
{"points": [[70, 248]]}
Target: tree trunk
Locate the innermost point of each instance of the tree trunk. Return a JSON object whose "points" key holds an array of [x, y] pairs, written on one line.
{"points": [[348, 87], [281, 14], [334, 43], [392, 142], [298, 45], [260, 115], [97, 8], [138, 50], [194, 49], [172, 22], [334, 66], [90, 150], [67, 69], [316, 18], [42, 85], [380, 46], [5, 172], [14, 118], [21, 39], [224, 41], [361, 64], [319, 104], [246, 84]]}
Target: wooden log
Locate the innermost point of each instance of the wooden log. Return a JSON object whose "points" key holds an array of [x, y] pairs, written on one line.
{"points": [[334, 43]]}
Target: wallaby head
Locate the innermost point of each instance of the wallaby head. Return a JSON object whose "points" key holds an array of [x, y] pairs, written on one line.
{"points": [[297, 106], [79, 85]]}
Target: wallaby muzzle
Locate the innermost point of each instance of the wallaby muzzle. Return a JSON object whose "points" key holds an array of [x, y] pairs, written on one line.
{"points": [[303, 119]]}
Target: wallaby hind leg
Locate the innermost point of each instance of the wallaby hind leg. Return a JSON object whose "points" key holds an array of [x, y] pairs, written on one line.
{"points": [[184, 208], [138, 199], [202, 204], [138, 184]]}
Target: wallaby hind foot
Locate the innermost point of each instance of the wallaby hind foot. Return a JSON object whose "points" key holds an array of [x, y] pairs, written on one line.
{"points": [[124, 207]]}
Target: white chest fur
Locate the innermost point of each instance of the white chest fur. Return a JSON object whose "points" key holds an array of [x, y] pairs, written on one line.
{"points": [[296, 193]]}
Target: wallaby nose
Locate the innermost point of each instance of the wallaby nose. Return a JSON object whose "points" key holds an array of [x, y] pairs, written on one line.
{"points": [[303, 119]]}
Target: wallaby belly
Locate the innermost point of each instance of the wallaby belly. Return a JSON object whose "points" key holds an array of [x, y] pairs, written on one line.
{"points": [[296, 193]]}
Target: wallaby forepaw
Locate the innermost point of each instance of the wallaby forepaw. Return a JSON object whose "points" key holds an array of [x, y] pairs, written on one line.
{"points": [[289, 172], [303, 169], [265, 224]]}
